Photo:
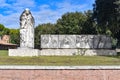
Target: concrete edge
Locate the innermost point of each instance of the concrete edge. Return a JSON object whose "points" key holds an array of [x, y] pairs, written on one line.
{"points": [[14, 67]]}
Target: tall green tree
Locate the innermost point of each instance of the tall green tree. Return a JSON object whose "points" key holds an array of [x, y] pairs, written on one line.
{"points": [[89, 26], [76, 23], [107, 16], [117, 28], [71, 23]]}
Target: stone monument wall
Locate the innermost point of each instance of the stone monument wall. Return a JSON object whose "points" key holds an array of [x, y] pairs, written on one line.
{"points": [[76, 41], [87, 45]]}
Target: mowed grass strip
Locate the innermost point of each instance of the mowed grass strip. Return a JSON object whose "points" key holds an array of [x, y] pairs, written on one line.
{"points": [[3, 53], [58, 60]]}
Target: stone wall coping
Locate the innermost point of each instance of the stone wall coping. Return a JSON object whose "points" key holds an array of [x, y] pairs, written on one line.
{"points": [[24, 67]]}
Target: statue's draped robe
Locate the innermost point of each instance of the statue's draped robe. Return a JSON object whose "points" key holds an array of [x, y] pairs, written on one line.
{"points": [[26, 30]]}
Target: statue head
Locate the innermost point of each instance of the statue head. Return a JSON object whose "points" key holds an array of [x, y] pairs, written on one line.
{"points": [[26, 19], [27, 11]]}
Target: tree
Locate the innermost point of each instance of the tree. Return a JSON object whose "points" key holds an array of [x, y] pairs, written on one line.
{"points": [[1, 29], [89, 26], [76, 23], [4, 30], [15, 36], [71, 23], [117, 28], [107, 16]]}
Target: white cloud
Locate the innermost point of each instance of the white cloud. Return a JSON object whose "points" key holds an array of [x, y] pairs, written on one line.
{"points": [[24, 3], [69, 7], [17, 5], [10, 21], [46, 14], [45, 6]]}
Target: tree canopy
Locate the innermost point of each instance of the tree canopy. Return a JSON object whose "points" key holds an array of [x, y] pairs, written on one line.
{"points": [[76, 23], [4, 30], [14, 36], [107, 16]]}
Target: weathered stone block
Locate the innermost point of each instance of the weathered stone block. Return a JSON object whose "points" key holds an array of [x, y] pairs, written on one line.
{"points": [[84, 41], [67, 41], [58, 52], [76, 41], [24, 52], [93, 41], [49, 41], [83, 52]]}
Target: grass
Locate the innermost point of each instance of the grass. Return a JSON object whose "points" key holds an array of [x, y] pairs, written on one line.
{"points": [[3, 53], [58, 60]]}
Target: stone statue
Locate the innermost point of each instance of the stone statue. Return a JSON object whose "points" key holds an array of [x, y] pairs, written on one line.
{"points": [[26, 29], [26, 36]]}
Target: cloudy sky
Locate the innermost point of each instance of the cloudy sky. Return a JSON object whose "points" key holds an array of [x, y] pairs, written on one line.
{"points": [[44, 11]]}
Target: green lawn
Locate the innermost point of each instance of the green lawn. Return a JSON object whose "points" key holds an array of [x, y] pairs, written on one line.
{"points": [[59, 60], [3, 53]]}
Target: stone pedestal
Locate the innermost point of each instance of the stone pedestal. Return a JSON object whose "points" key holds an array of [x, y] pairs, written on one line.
{"points": [[27, 38], [82, 52], [23, 52]]}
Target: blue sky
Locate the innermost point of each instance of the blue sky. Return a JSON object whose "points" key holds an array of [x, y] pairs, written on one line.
{"points": [[44, 11]]}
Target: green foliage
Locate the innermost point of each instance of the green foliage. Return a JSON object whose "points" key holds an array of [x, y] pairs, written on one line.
{"points": [[116, 29], [76, 23], [4, 30], [107, 16], [15, 36], [1, 27], [89, 26], [71, 23], [47, 28]]}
